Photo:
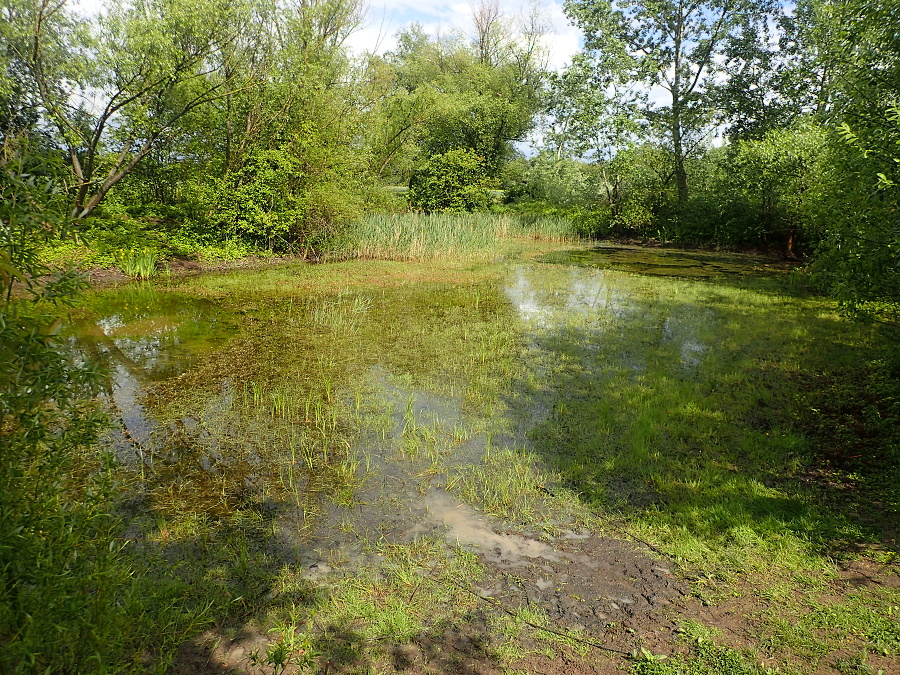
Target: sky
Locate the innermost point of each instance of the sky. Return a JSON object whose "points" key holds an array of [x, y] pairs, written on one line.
{"points": [[384, 18]]}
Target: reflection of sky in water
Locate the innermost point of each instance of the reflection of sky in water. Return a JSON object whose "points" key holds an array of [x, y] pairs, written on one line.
{"points": [[524, 297], [545, 303], [153, 353], [108, 324], [126, 394], [584, 299], [143, 335], [683, 333]]}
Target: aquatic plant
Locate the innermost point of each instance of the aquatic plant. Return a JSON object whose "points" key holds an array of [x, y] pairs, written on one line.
{"points": [[140, 264], [417, 236]]}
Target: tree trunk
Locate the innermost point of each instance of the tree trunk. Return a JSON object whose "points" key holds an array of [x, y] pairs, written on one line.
{"points": [[677, 102], [681, 181]]}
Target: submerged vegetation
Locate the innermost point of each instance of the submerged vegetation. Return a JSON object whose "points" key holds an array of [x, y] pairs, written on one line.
{"points": [[453, 431], [302, 449]]}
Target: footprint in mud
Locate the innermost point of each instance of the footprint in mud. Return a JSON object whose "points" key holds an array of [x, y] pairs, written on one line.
{"points": [[581, 579]]}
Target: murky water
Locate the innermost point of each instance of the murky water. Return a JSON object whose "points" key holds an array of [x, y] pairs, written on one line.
{"points": [[141, 335], [351, 414], [668, 262]]}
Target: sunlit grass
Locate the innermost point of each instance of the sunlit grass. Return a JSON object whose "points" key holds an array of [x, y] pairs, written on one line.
{"points": [[671, 410], [140, 264], [420, 237]]}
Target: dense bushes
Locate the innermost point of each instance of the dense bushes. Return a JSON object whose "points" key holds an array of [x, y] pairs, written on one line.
{"points": [[58, 571], [452, 181]]}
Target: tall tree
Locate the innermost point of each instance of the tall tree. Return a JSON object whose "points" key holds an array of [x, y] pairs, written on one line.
{"points": [[438, 94], [788, 71], [672, 46], [115, 89]]}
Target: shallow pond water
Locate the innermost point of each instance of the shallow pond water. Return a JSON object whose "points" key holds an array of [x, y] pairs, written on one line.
{"points": [[668, 262], [349, 415], [142, 334]]}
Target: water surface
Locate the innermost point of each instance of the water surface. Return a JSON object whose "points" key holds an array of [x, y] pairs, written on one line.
{"points": [[348, 414]]}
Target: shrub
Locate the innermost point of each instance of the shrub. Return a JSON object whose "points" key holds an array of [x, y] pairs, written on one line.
{"points": [[263, 199], [453, 181]]}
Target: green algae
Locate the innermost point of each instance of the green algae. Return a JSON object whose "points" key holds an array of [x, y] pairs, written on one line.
{"points": [[670, 262]]}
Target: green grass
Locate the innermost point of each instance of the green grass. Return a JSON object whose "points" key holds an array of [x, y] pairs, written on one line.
{"points": [[420, 237], [141, 264], [672, 407]]}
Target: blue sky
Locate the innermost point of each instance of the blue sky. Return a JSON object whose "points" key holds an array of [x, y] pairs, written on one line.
{"points": [[384, 18]]}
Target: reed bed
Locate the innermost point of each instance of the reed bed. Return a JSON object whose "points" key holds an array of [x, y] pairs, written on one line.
{"points": [[419, 237]]}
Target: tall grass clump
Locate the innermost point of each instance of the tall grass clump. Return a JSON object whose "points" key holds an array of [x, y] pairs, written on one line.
{"points": [[418, 236], [543, 228], [140, 264]]}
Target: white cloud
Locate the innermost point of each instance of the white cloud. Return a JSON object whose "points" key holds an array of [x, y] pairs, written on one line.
{"points": [[385, 18]]}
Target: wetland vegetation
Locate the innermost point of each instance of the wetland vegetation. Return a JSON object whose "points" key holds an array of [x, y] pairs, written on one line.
{"points": [[538, 457], [466, 410]]}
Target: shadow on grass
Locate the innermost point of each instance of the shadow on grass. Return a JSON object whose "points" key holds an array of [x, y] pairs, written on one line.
{"points": [[240, 592], [684, 409]]}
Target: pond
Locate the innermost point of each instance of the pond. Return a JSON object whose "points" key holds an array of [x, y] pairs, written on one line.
{"points": [[318, 436], [342, 410]]}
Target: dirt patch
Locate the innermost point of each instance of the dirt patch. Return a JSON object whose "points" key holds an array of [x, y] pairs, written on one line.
{"points": [[212, 652], [863, 573], [595, 584], [580, 580]]}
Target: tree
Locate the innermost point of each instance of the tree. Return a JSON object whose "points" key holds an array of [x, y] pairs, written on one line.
{"points": [[478, 93], [452, 181], [858, 216], [772, 80], [590, 113], [116, 90], [283, 159], [673, 45]]}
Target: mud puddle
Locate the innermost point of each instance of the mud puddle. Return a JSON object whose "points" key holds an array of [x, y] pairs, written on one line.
{"points": [[578, 578]]}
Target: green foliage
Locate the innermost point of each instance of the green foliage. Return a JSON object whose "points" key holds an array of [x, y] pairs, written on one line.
{"points": [[674, 46], [766, 187], [263, 199], [71, 599], [558, 181], [57, 553], [454, 181], [435, 95], [138, 263]]}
